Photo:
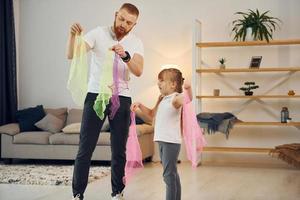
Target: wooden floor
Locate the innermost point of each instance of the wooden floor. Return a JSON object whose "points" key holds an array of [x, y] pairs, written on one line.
{"points": [[207, 182]]}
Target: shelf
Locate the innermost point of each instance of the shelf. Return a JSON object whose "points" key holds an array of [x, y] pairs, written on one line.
{"points": [[248, 149], [249, 43], [199, 71], [238, 149], [267, 124], [245, 69], [246, 97]]}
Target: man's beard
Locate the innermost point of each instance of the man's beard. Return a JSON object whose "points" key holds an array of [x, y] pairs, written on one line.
{"points": [[119, 31]]}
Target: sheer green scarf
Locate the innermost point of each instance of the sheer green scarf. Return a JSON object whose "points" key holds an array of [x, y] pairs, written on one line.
{"points": [[105, 86], [78, 77]]}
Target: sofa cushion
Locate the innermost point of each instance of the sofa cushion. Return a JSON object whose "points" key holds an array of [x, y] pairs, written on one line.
{"points": [[60, 113], [35, 137], [74, 116], [73, 139], [143, 129], [72, 128], [28, 117], [10, 129], [75, 127], [50, 123]]}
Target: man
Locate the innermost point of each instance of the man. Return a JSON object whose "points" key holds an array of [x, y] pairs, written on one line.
{"points": [[130, 49]]}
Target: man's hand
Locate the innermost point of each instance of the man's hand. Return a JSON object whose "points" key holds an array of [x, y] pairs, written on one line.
{"points": [[135, 106], [76, 29], [119, 50], [135, 62]]}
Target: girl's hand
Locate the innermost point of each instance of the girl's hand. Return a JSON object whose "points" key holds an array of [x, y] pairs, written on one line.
{"points": [[188, 89], [160, 97], [186, 84], [178, 101], [135, 106]]}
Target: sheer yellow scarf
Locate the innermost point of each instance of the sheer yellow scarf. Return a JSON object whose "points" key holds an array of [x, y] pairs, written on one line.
{"points": [[78, 77]]}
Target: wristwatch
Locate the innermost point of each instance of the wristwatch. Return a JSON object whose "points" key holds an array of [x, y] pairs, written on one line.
{"points": [[127, 58]]}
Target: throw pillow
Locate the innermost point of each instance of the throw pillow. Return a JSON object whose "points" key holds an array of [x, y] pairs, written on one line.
{"points": [[10, 129], [75, 127], [50, 123], [60, 113], [72, 128], [28, 117], [74, 116]]}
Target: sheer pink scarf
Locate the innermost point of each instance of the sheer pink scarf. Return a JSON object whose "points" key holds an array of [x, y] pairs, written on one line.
{"points": [[192, 133], [115, 101], [134, 161]]}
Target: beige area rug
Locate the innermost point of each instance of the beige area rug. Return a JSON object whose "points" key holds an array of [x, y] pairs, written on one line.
{"points": [[45, 174]]}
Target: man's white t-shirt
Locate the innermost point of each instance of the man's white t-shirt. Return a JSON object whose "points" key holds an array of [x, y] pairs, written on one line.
{"points": [[167, 126], [100, 40]]}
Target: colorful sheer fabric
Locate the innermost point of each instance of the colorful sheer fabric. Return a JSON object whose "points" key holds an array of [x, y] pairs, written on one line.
{"points": [[115, 96], [105, 86], [78, 75], [192, 133], [109, 86], [134, 161], [109, 79]]}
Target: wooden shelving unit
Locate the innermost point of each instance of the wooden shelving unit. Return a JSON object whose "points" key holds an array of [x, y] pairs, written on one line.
{"points": [[267, 124], [198, 69], [237, 149], [245, 69], [246, 97], [249, 43], [248, 149]]}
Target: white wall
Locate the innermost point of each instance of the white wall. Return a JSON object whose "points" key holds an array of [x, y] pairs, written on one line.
{"points": [[165, 26]]}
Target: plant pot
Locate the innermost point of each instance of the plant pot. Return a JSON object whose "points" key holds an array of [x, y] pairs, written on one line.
{"points": [[250, 93], [249, 36], [222, 66]]}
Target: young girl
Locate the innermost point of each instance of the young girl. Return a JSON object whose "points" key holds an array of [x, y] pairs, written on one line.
{"points": [[167, 115]]}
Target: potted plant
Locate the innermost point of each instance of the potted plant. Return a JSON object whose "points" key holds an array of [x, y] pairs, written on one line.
{"points": [[262, 25], [250, 86], [222, 63]]}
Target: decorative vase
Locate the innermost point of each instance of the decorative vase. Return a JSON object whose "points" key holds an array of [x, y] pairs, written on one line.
{"points": [[216, 92], [291, 93], [249, 93], [249, 36]]}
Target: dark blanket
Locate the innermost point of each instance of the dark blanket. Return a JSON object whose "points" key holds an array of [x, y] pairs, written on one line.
{"points": [[216, 122], [289, 153]]}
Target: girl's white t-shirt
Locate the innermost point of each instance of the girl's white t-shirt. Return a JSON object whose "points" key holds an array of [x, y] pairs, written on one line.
{"points": [[167, 126], [100, 40]]}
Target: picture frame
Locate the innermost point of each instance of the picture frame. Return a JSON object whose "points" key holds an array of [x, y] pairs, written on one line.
{"points": [[255, 61]]}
